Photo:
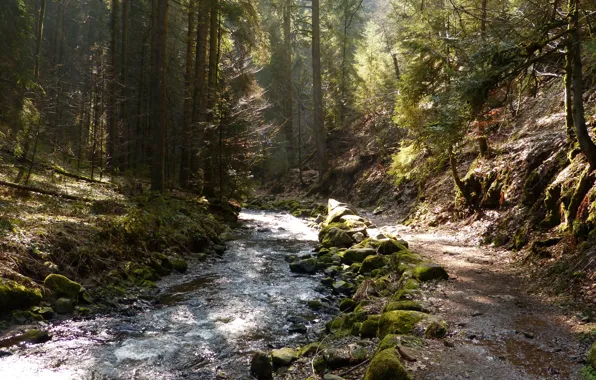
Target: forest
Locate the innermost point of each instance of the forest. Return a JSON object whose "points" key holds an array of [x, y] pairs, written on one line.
{"points": [[297, 189]]}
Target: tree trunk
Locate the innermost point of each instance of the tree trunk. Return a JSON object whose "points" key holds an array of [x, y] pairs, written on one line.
{"points": [[288, 101], [126, 153], [199, 113], [113, 89], [458, 182], [160, 112], [188, 94], [208, 186], [42, 13], [396, 67], [583, 137], [568, 78], [319, 126]]}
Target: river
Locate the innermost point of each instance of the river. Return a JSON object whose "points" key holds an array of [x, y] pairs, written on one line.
{"points": [[205, 324]]}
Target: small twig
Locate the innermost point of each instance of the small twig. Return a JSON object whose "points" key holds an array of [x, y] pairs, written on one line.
{"points": [[354, 368]]}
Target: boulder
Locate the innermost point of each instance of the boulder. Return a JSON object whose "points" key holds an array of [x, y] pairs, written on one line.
{"points": [[347, 304], [179, 264], [371, 263], [358, 237], [260, 366], [390, 246], [283, 357], [369, 328], [16, 296], [404, 305], [592, 356], [357, 255], [64, 305], [342, 287], [337, 357], [429, 272], [308, 266], [337, 213], [335, 237], [386, 366], [399, 322], [62, 286], [352, 218]]}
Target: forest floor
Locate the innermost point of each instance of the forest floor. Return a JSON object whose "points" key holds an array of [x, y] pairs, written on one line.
{"points": [[498, 328]]}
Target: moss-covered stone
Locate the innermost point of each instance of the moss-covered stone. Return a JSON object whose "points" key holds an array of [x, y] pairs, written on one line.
{"points": [[435, 329], [179, 264], [386, 366], [428, 272], [25, 316], [307, 266], [394, 340], [369, 328], [315, 304], [357, 255], [399, 322], [592, 356], [260, 366], [62, 286], [16, 296], [390, 246], [404, 305], [64, 305], [347, 304], [311, 349], [335, 237], [372, 262], [283, 357], [408, 290]]}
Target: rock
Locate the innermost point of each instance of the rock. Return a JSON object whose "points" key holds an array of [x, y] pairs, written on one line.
{"points": [[283, 357], [369, 328], [428, 272], [64, 305], [379, 210], [315, 304], [352, 218], [347, 304], [357, 255], [337, 357], [310, 349], [592, 356], [386, 366], [260, 366], [220, 249], [179, 264], [335, 237], [329, 376], [16, 296], [328, 281], [319, 219], [335, 215], [390, 246], [62, 286], [33, 336], [342, 287], [45, 311], [297, 328], [404, 305], [371, 263], [358, 237], [308, 266], [399, 322], [435, 330]]}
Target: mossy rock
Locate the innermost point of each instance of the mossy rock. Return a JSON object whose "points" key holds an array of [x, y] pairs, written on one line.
{"points": [[62, 286], [64, 305], [335, 214], [357, 255], [429, 272], [404, 305], [335, 237], [283, 357], [307, 266], [390, 246], [435, 329], [369, 328], [409, 257], [386, 366], [179, 264], [315, 304], [16, 296], [335, 324], [260, 366], [372, 262], [25, 316], [399, 322], [592, 356], [408, 290], [347, 304], [311, 349], [394, 340]]}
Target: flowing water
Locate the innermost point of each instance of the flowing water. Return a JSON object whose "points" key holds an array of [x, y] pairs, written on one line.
{"points": [[206, 324]]}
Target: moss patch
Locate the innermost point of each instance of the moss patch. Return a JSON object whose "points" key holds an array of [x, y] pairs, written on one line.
{"points": [[386, 366], [399, 322], [16, 296]]}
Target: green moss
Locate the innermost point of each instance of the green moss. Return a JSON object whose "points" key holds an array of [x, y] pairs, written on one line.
{"points": [[386, 366], [283, 357], [531, 189], [357, 255], [179, 264], [369, 328], [409, 257], [16, 296], [592, 356], [399, 322], [429, 272], [61, 286], [394, 340], [347, 304], [404, 305], [311, 349], [435, 329], [390, 246], [371, 263], [335, 324], [315, 304]]}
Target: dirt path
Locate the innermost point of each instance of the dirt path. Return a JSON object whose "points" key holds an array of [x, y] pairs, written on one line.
{"points": [[497, 329]]}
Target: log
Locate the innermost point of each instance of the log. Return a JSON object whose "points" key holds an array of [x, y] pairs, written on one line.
{"points": [[45, 192]]}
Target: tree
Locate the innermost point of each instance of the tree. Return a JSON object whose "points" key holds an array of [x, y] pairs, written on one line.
{"points": [[160, 115], [319, 127]]}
